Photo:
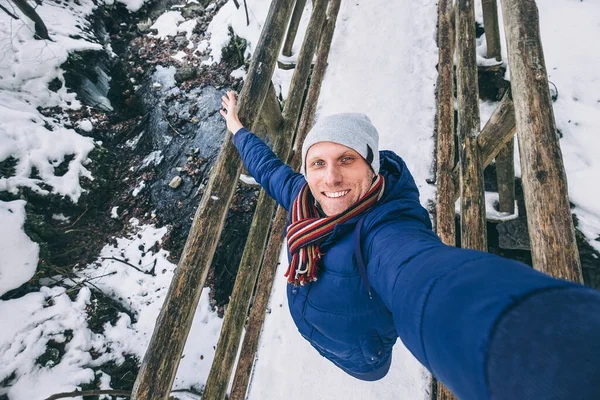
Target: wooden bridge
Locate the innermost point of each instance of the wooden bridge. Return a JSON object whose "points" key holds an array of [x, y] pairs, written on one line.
{"points": [[525, 110]]}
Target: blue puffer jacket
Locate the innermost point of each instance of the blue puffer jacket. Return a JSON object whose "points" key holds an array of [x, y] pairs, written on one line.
{"points": [[443, 302]]}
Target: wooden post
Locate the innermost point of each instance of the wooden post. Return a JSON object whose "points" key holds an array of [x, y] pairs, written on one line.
{"points": [[157, 372], [472, 204], [551, 232], [492, 30], [231, 332], [271, 256], [293, 29], [505, 176], [445, 225]]}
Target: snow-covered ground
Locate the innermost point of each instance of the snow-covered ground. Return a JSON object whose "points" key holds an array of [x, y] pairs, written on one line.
{"points": [[382, 63]]}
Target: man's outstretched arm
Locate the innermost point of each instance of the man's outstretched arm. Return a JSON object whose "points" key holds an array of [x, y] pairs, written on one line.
{"points": [[476, 320]]}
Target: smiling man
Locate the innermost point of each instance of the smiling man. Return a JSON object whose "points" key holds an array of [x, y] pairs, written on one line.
{"points": [[366, 268]]}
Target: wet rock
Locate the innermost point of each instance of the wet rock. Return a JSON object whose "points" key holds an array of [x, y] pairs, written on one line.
{"points": [[180, 40], [514, 235], [185, 74], [192, 10], [175, 182]]}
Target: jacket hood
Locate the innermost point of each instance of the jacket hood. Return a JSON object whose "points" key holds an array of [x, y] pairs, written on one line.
{"points": [[401, 195], [399, 183]]}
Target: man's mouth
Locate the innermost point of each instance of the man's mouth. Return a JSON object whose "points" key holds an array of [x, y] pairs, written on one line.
{"points": [[336, 195]]}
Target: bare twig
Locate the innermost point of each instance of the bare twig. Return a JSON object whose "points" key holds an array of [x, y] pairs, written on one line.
{"points": [[78, 218], [247, 17], [129, 264], [14, 16], [174, 130], [237, 5]]}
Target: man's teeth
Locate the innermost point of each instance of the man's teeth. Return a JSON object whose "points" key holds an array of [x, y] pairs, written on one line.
{"points": [[336, 194]]}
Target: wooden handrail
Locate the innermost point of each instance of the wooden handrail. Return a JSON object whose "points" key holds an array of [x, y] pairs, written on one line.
{"points": [[231, 331], [271, 256], [159, 366]]}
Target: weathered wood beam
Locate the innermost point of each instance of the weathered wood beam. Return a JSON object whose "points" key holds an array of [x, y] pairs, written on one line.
{"points": [[445, 214], [237, 310], [498, 131], [551, 231], [293, 29], [271, 112], [492, 30], [445, 225], [505, 176], [161, 360], [472, 204], [271, 256]]}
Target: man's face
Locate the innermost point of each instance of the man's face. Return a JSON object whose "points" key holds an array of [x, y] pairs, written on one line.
{"points": [[337, 176]]}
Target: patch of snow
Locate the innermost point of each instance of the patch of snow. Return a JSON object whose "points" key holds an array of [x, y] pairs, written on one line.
{"points": [[166, 24], [154, 158], [248, 180], [60, 217], [138, 189], [85, 125], [28, 66], [19, 254], [239, 73], [114, 212], [37, 318], [179, 56]]}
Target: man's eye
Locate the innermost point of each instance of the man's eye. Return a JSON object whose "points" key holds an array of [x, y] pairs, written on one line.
{"points": [[318, 163], [348, 158]]}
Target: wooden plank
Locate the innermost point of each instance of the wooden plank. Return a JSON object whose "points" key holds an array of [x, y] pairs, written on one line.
{"points": [[271, 256], [445, 225], [472, 216], [492, 30], [505, 176], [293, 29], [231, 332], [157, 372], [551, 231]]}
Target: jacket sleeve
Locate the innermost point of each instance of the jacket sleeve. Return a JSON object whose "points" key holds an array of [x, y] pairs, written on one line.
{"points": [[446, 302], [277, 178]]}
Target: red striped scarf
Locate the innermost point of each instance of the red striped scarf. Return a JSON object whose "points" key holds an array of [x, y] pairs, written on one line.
{"points": [[307, 230]]}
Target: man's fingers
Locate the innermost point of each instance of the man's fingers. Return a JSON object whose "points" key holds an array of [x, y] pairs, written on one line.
{"points": [[225, 105]]}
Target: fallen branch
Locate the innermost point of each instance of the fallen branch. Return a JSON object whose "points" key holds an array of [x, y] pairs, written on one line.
{"points": [[40, 28], [131, 265], [247, 17], [76, 393]]}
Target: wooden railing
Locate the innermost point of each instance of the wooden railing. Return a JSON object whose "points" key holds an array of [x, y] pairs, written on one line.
{"points": [[525, 109]]}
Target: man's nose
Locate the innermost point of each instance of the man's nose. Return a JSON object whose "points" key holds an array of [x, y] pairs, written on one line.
{"points": [[333, 176]]}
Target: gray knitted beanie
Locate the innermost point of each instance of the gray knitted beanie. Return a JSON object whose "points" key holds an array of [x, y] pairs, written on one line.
{"points": [[353, 130]]}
